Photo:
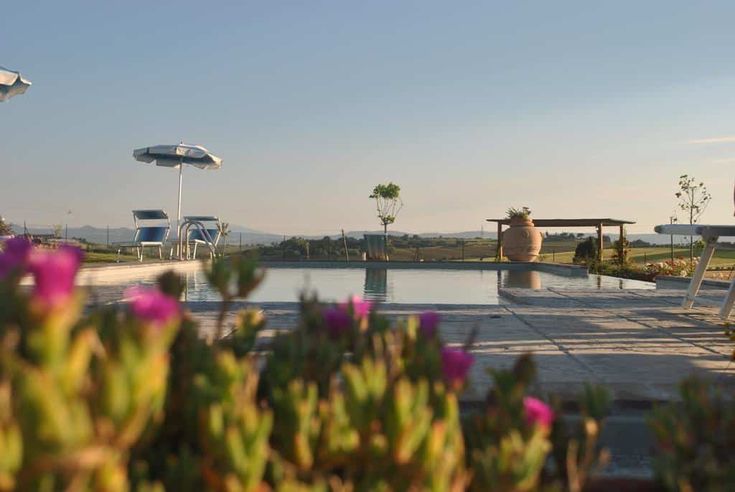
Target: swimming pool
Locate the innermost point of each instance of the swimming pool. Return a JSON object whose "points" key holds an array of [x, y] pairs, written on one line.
{"points": [[402, 285]]}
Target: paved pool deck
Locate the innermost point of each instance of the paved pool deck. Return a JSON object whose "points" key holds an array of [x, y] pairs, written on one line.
{"points": [[638, 343]]}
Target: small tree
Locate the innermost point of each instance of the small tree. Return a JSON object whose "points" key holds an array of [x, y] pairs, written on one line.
{"points": [[693, 199], [586, 252], [621, 248], [224, 231], [5, 229], [388, 202]]}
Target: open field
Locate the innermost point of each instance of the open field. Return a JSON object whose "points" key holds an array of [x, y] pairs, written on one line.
{"points": [[644, 255], [437, 249]]}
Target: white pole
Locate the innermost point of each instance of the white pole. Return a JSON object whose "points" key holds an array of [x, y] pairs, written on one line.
{"points": [[178, 210]]}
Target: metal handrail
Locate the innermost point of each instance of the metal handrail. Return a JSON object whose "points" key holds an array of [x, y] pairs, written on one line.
{"points": [[187, 225]]}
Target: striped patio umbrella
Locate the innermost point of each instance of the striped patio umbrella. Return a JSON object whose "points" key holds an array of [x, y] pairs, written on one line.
{"points": [[11, 84], [177, 156]]}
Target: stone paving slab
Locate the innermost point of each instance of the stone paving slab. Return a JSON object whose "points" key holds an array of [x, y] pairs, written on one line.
{"points": [[638, 343]]}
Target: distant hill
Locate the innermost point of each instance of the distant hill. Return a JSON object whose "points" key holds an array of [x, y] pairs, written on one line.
{"points": [[100, 235], [457, 235]]}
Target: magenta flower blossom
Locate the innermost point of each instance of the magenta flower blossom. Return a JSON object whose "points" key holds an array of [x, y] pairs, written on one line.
{"points": [[151, 305], [456, 364], [537, 412], [360, 307], [429, 323], [337, 321], [14, 256], [54, 273]]}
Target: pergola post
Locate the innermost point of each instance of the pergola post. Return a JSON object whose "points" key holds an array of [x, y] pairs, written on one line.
{"points": [[499, 251], [621, 243], [599, 242]]}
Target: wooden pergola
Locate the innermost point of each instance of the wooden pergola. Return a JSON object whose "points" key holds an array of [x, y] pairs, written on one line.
{"points": [[596, 223]]}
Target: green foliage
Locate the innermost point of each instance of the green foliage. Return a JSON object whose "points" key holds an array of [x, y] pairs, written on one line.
{"points": [[576, 450], [346, 400], [523, 213], [402, 248], [110, 402], [627, 270], [76, 394], [224, 231], [389, 191], [505, 451], [586, 252], [372, 421], [388, 202], [232, 277], [730, 334], [693, 197], [5, 229], [695, 439], [622, 250]]}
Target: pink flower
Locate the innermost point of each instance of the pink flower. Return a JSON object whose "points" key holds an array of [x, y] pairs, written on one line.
{"points": [[537, 412], [54, 273], [429, 323], [14, 257], [151, 305], [337, 320], [456, 364], [360, 307]]}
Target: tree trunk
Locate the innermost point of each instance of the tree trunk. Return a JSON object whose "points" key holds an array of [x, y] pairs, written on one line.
{"points": [[385, 241], [691, 238]]}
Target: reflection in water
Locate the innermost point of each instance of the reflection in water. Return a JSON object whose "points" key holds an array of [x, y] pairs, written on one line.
{"points": [[523, 279], [376, 284], [397, 286], [195, 282]]}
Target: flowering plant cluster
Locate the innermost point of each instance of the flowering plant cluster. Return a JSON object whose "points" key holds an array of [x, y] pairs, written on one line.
{"points": [[77, 393], [133, 396], [695, 439], [678, 267]]}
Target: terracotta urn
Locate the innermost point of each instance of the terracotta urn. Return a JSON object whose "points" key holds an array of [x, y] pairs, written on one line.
{"points": [[522, 241]]}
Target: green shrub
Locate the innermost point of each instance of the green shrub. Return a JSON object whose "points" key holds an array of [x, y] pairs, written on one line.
{"points": [[695, 439], [586, 252], [132, 397]]}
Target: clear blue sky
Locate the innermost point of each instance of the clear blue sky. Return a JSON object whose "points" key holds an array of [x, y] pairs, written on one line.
{"points": [[572, 108]]}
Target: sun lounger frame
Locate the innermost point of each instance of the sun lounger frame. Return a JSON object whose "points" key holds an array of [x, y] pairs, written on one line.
{"points": [[197, 224], [141, 218], [710, 234]]}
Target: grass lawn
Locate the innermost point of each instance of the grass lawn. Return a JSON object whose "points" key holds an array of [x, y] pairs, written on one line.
{"points": [[650, 254], [556, 250], [107, 257]]}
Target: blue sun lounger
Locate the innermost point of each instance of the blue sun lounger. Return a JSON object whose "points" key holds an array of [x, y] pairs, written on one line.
{"points": [[710, 234], [151, 230]]}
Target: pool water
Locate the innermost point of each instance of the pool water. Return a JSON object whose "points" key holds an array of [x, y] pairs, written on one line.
{"points": [[404, 286]]}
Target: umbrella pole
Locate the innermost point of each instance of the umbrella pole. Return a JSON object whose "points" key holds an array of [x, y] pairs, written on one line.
{"points": [[181, 180], [178, 209]]}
